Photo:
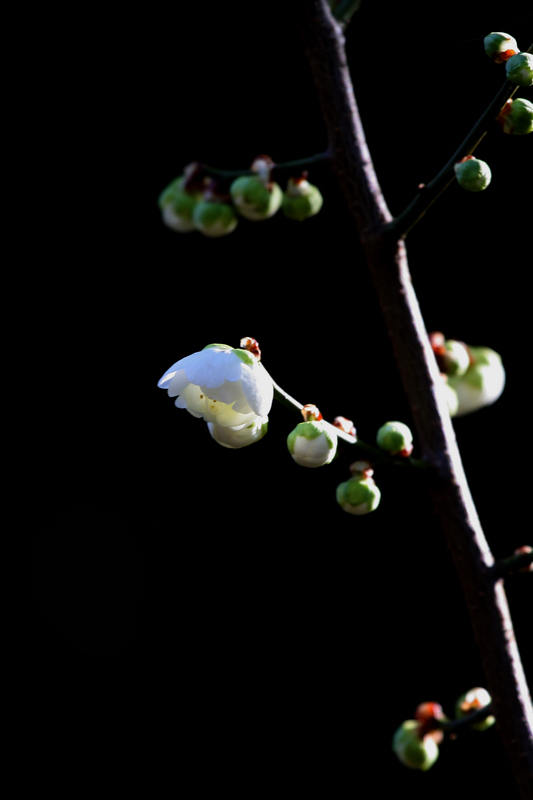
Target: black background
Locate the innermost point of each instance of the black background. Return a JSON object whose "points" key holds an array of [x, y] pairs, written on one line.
{"points": [[216, 607]]}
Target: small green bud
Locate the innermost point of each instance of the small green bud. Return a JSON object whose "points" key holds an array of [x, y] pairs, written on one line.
{"points": [[312, 443], [454, 360], [482, 383], [517, 117], [472, 701], [358, 495], [519, 69], [395, 438], [214, 219], [177, 205], [472, 174], [412, 750], [301, 199], [500, 46], [255, 200]]}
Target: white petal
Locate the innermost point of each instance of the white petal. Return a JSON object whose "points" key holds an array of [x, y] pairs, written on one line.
{"points": [[257, 388], [211, 367], [178, 383]]}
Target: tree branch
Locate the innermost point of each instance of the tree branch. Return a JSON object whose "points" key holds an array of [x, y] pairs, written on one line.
{"points": [[387, 259]]}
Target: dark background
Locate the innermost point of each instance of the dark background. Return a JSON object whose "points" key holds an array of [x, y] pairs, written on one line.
{"points": [[217, 607]]}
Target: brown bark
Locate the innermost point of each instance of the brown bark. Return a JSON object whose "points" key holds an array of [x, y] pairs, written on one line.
{"points": [[387, 260]]}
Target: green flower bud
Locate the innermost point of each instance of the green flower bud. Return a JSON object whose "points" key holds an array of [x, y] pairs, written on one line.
{"points": [[519, 69], [472, 174], [454, 358], [214, 219], [177, 205], [517, 117], [471, 701], [358, 495], [255, 200], [414, 752], [301, 199], [500, 46], [312, 443], [482, 383], [395, 437]]}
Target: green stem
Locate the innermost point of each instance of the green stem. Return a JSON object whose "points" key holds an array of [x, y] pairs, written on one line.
{"points": [[507, 566], [345, 10], [402, 224], [286, 165], [372, 454]]}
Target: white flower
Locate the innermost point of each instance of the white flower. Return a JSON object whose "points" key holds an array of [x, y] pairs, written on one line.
{"points": [[240, 437], [483, 382], [225, 386]]}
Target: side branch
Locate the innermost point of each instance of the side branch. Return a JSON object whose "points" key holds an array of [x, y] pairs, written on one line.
{"points": [[387, 259]]}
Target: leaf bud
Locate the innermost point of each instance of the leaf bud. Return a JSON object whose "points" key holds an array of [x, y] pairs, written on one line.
{"points": [[471, 701], [472, 174], [519, 69], [301, 199], [395, 438], [516, 117], [413, 749], [359, 495], [500, 46]]}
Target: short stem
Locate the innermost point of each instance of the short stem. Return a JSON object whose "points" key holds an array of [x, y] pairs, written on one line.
{"points": [[299, 163], [403, 223], [507, 566], [451, 725]]}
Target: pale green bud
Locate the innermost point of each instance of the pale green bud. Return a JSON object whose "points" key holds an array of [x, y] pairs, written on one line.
{"points": [[472, 174], [455, 358], [482, 383], [395, 437], [517, 117], [301, 199], [214, 219], [312, 444], [177, 206], [414, 752], [519, 69], [500, 46], [255, 200], [358, 496], [471, 701]]}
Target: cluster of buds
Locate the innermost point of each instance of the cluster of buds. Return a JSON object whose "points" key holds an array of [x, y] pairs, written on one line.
{"points": [[516, 117], [416, 742], [503, 49], [228, 388], [194, 202], [472, 377]]}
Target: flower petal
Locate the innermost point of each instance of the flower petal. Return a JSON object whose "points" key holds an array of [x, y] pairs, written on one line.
{"points": [[211, 367], [257, 388]]}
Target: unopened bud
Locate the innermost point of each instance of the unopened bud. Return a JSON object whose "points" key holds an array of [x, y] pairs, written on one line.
{"points": [[519, 69], [256, 197], [301, 199], [412, 748], [395, 438], [472, 701], [214, 219], [312, 443], [472, 174], [482, 383], [359, 495], [500, 46], [516, 117]]}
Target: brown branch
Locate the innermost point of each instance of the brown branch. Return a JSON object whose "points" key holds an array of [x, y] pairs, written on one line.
{"points": [[387, 259]]}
